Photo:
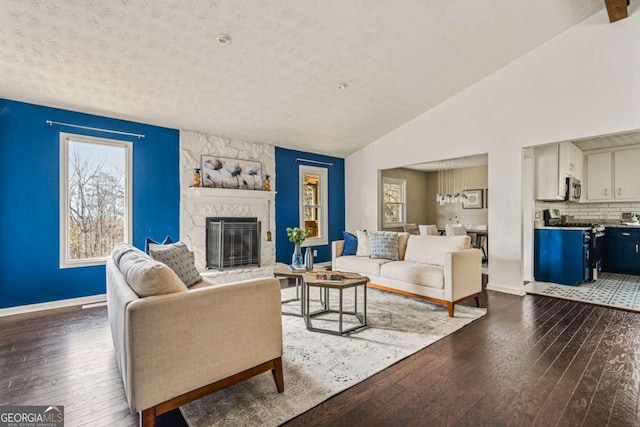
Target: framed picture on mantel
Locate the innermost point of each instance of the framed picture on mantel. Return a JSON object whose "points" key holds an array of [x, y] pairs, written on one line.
{"points": [[473, 199], [223, 172]]}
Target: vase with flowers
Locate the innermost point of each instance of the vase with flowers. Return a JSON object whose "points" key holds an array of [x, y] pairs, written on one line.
{"points": [[297, 236]]}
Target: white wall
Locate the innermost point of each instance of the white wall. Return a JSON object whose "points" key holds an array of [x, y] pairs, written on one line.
{"points": [[583, 83]]}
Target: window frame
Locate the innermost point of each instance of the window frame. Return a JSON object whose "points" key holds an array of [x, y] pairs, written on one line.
{"points": [[64, 253], [323, 197], [403, 203]]}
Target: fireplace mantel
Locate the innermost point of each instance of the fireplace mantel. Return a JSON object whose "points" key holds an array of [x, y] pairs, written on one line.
{"points": [[228, 195]]}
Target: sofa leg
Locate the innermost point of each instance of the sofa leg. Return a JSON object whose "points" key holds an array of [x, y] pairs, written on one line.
{"points": [[148, 417], [450, 307], [277, 374], [477, 298]]}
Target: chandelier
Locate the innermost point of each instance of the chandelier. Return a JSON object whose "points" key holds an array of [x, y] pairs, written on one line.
{"points": [[452, 180]]}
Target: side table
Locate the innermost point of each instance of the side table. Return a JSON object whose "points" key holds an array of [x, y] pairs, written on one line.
{"points": [[300, 291], [348, 281]]}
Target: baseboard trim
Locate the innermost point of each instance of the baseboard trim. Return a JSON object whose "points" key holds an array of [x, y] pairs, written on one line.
{"points": [[52, 305], [506, 289]]}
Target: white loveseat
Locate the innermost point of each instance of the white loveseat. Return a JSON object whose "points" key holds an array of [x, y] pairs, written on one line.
{"points": [[175, 344], [441, 269]]}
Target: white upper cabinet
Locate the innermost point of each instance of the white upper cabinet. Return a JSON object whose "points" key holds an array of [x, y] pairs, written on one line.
{"points": [[570, 160], [599, 176], [626, 177], [553, 164], [613, 175]]}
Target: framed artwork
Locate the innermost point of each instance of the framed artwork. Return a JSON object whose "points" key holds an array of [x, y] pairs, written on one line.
{"points": [[473, 199], [486, 198], [224, 172]]}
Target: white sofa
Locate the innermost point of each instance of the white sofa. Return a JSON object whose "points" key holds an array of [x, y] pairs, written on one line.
{"points": [[441, 269], [183, 343]]}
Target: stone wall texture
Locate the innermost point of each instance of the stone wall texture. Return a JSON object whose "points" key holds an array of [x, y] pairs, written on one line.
{"points": [[195, 209]]}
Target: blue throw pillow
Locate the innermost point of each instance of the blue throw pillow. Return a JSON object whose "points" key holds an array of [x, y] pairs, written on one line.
{"points": [[350, 243], [149, 241]]}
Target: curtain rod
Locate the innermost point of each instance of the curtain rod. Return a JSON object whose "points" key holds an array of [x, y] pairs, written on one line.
{"points": [[313, 161], [138, 135]]}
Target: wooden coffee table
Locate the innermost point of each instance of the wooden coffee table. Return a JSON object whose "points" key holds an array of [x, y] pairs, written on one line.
{"points": [[348, 281]]}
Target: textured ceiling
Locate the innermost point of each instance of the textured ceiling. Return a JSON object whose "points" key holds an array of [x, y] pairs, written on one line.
{"points": [[158, 61]]}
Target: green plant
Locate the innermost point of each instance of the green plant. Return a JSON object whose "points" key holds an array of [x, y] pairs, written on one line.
{"points": [[297, 235]]}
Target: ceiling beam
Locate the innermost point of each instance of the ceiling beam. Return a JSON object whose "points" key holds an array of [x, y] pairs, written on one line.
{"points": [[617, 9]]}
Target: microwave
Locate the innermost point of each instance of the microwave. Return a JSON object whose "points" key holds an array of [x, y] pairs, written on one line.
{"points": [[573, 190]]}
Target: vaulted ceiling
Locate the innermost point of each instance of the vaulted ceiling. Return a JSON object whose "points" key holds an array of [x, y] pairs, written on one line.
{"points": [[159, 61]]}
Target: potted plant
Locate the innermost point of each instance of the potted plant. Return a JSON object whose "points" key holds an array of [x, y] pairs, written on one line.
{"points": [[297, 235]]}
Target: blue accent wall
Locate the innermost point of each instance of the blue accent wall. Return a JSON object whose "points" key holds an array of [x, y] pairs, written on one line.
{"points": [[288, 195], [29, 194]]}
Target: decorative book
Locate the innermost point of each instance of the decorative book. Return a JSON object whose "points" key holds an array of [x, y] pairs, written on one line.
{"points": [[329, 277]]}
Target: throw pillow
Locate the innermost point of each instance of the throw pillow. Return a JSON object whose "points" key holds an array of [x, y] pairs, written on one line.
{"points": [[179, 259], [384, 245], [363, 243], [402, 245], [149, 241], [350, 243], [145, 276]]}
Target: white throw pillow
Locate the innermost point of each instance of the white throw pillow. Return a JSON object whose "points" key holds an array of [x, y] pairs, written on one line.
{"points": [[363, 243], [145, 276]]}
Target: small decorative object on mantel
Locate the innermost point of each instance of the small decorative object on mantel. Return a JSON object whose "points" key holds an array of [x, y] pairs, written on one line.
{"points": [[267, 183], [196, 177], [297, 235]]}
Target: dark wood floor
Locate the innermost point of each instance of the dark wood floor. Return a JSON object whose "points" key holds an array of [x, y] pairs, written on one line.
{"points": [[530, 361]]}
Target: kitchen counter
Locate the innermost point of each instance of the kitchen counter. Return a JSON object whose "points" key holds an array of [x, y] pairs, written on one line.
{"points": [[563, 228], [621, 225]]}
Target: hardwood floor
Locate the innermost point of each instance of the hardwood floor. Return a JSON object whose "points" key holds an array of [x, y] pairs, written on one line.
{"points": [[531, 361]]}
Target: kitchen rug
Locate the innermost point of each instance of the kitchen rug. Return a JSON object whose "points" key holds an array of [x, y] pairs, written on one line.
{"points": [[317, 366], [611, 290]]}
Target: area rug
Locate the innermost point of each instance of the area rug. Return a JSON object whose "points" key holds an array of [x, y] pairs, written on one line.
{"points": [[611, 290], [318, 366]]}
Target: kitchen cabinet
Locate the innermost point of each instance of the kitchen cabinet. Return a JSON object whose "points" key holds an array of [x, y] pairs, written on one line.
{"points": [[553, 164], [570, 159], [561, 256], [613, 175], [623, 250], [626, 175], [599, 167]]}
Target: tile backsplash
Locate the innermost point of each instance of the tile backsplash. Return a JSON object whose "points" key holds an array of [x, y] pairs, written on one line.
{"points": [[590, 212]]}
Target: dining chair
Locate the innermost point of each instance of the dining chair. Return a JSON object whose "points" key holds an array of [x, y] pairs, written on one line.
{"points": [[428, 230], [455, 230], [410, 228]]}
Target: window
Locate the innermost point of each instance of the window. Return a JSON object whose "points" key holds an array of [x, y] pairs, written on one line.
{"points": [[95, 198], [313, 208], [393, 202]]}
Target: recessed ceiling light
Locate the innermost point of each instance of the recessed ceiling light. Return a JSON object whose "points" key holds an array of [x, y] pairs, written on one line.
{"points": [[224, 39], [342, 86]]}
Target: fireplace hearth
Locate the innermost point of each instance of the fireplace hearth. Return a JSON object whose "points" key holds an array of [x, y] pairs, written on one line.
{"points": [[232, 242]]}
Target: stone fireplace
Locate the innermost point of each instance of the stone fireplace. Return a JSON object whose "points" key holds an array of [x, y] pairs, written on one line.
{"points": [[198, 204]]}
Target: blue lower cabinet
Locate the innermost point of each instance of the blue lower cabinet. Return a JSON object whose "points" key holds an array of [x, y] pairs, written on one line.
{"points": [[623, 250], [561, 256]]}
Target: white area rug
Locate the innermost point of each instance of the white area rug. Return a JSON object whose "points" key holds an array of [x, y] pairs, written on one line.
{"points": [[612, 290], [318, 366]]}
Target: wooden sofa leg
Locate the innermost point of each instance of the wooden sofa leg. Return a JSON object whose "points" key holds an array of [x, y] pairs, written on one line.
{"points": [[477, 298], [277, 374], [148, 417], [450, 307]]}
